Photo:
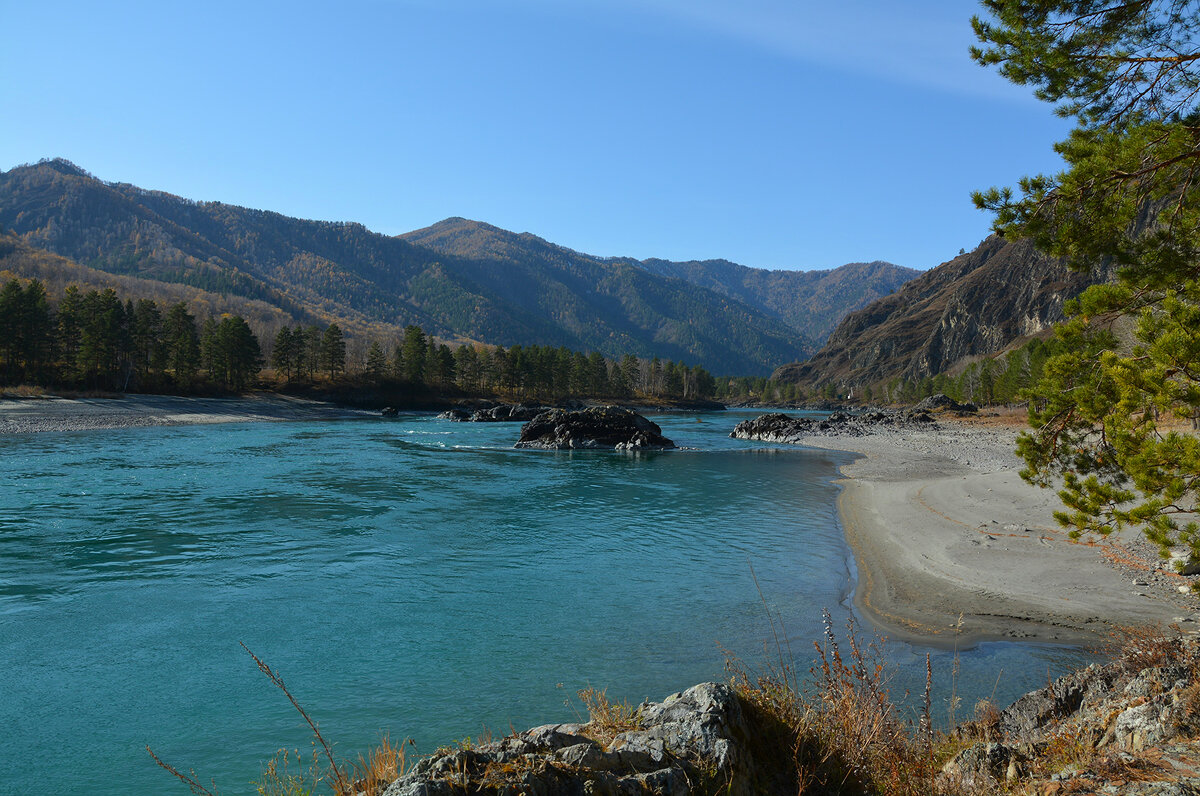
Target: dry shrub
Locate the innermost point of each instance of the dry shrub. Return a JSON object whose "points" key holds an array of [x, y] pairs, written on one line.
{"points": [[607, 720], [987, 720], [1071, 743], [1185, 718], [846, 734], [1119, 766], [24, 391], [1140, 647], [380, 767], [289, 773]]}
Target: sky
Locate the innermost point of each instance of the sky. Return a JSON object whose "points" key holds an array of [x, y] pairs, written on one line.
{"points": [[777, 134]]}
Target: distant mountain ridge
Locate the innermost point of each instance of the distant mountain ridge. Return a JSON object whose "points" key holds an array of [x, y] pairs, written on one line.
{"points": [[812, 302], [457, 279], [977, 304]]}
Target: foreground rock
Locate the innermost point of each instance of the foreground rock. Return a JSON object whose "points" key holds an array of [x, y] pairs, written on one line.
{"points": [[697, 741], [788, 428], [503, 413], [1129, 726], [593, 428]]}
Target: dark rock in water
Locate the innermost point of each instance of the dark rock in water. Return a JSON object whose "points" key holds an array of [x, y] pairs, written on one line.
{"points": [[597, 427], [943, 401], [788, 428], [495, 414], [697, 741], [391, 411], [507, 413]]}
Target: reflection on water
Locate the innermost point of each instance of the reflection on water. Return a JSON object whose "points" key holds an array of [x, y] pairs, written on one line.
{"points": [[413, 576]]}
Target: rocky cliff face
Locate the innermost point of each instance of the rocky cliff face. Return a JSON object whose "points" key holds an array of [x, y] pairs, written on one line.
{"points": [[976, 304]]}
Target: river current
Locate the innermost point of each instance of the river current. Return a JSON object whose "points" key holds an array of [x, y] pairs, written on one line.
{"points": [[410, 576]]}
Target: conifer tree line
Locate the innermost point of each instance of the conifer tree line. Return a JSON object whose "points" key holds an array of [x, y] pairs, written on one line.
{"points": [[95, 341], [531, 372]]}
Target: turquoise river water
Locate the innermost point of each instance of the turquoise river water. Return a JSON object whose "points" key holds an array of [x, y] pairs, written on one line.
{"points": [[410, 576]]}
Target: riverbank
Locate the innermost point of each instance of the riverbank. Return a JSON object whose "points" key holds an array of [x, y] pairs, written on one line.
{"points": [[953, 548], [32, 415]]}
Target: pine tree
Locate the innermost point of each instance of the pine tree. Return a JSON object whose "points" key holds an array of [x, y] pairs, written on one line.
{"points": [[377, 363], [414, 351], [1129, 74], [284, 350], [182, 344], [333, 351]]}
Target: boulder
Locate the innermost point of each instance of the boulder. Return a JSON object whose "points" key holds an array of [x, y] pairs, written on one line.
{"points": [[980, 766], [696, 741], [594, 428]]}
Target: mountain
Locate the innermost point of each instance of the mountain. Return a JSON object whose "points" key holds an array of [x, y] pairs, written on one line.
{"points": [[601, 299], [458, 279], [976, 304], [811, 302]]}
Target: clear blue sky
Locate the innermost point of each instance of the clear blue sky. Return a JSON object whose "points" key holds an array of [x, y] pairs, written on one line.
{"points": [[776, 134]]}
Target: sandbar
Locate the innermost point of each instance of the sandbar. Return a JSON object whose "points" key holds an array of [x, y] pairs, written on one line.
{"points": [[954, 548], [51, 414]]}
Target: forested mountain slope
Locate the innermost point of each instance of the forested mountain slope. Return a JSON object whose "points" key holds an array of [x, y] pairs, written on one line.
{"points": [[599, 299], [811, 302], [976, 304], [496, 287], [18, 259]]}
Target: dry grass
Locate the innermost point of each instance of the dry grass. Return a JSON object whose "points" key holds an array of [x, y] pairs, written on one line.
{"points": [[23, 391], [607, 720], [1143, 647], [846, 735]]}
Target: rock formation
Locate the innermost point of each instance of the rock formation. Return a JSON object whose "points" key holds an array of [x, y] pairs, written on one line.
{"points": [[976, 304], [1128, 726], [778, 427], [494, 414], [697, 741], [595, 427]]}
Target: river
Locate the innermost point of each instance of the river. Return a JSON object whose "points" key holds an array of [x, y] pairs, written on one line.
{"points": [[411, 576]]}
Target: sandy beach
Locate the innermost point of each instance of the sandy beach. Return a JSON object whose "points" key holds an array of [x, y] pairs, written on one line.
{"points": [[943, 527], [31, 415]]}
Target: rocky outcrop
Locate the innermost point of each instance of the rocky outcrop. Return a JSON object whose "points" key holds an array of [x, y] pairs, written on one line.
{"points": [[592, 428], [790, 429], [974, 305], [504, 413], [942, 402], [698, 741], [1128, 726]]}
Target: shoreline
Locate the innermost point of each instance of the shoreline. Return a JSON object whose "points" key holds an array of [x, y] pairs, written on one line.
{"points": [[52, 414], [954, 549]]}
